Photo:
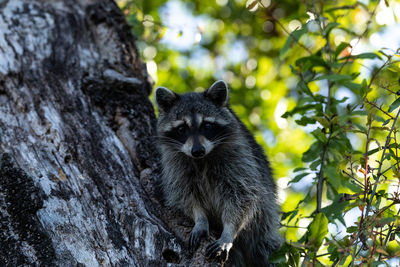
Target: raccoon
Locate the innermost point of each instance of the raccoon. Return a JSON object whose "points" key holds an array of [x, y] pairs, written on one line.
{"points": [[214, 171]]}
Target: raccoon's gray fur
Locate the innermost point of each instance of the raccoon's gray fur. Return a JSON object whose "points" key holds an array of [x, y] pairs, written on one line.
{"points": [[213, 170]]}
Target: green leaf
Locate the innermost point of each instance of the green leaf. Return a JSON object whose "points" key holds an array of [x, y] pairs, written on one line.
{"points": [[292, 38], [385, 122], [313, 59], [352, 186], [318, 230], [298, 109], [299, 169], [373, 151], [364, 89], [332, 175], [378, 118], [312, 153], [342, 46], [293, 215], [335, 210], [303, 87], [317, 133], [362, 56], [352, 86], [324, 122], [293, 257], [359, 113], [286, 214], [352, 229], [287, 255], [278, 257], [315, 164], [359, 126], [298, 177], [331, 192], [385, 221], [294, 71], [334, 77], [367, 55], [394, 105], [305, 120], [330, 27]]}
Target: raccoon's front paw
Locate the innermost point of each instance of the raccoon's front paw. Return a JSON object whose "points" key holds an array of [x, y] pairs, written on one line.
{"points": [[218, 250], [195, 237]]}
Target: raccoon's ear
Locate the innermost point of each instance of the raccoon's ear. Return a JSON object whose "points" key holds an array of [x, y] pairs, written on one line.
{"points": [[218, 93], [165, 99]]}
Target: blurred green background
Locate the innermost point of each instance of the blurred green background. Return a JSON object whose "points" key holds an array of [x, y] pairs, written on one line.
{"points": [[187, 45]]}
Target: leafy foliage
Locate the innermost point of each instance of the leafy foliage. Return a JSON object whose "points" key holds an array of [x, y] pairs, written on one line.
{"points": [[325, 110]]}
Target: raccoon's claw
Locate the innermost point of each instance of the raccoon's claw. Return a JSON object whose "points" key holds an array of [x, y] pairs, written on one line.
{"points": [[195, 237], [218, 250]]}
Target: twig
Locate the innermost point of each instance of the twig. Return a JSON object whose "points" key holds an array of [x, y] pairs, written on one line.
{"points": [[286, 31], [336, 262], [365, 195], [366, 167], [388, 234], [377, 107], [379, 174], [397, 155], [381, 163], [354, 179], [320, 183], [341, 7], [378, 70], [385, 87]]}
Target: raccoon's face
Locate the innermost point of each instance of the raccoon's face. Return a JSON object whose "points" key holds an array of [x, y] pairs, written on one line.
{"points": [[194, 123]]}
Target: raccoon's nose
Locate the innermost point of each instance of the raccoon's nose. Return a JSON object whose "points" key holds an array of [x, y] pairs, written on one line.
{"points": [[198, 151]]}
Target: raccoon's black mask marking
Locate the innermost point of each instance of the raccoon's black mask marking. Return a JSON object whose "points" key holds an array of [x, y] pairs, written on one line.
{"points": [[214, 131], [180, 134]]}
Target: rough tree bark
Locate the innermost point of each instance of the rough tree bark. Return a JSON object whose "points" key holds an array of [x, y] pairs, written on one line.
{"points": [[78, 163]]}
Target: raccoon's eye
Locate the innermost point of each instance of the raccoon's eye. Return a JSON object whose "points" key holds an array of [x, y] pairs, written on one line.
{"points": [[181, 129], [207, 126]]}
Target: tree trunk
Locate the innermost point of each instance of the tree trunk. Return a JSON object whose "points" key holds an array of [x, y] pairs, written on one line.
{"points": [[78, 163]]}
